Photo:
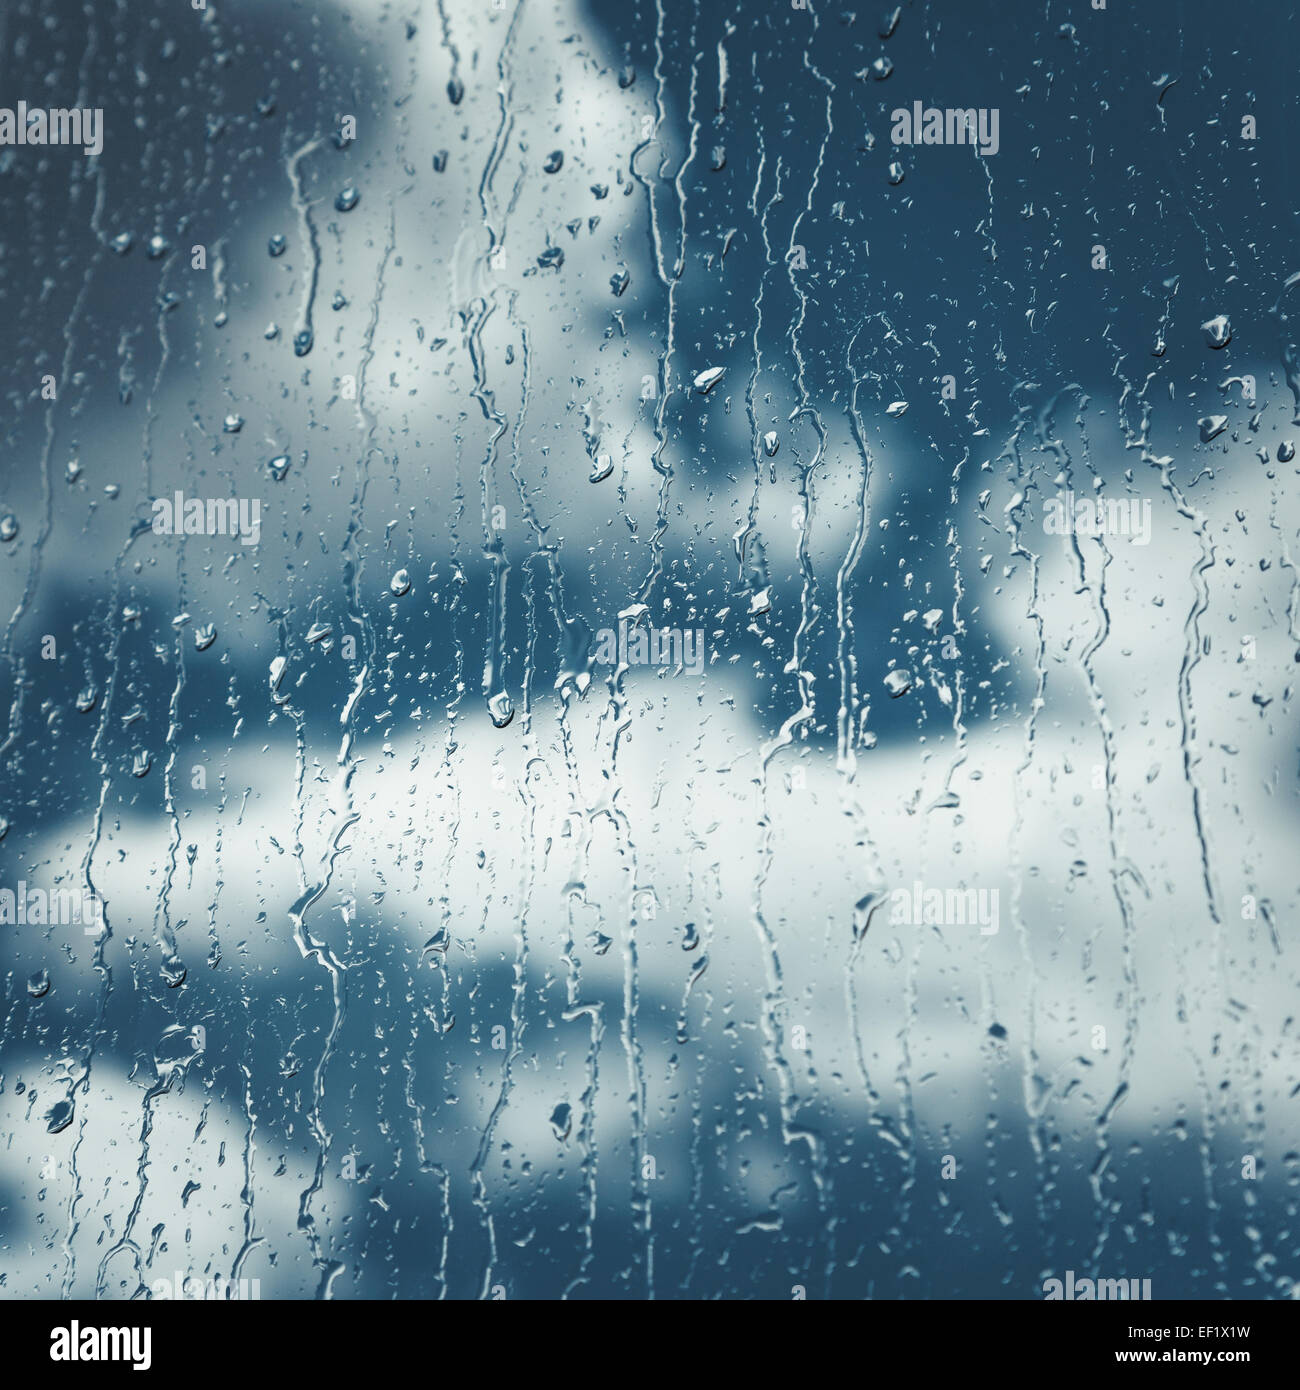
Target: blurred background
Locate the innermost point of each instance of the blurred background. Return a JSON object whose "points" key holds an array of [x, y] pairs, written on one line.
{"points": [[442, 960]]}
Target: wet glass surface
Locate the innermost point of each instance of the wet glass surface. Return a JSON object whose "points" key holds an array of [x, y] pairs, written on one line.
{"points": [[648, 651]]}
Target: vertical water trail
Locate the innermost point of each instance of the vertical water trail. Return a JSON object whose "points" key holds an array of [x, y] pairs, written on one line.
{"points": [[774, 1004], [172, 968], [1118, 865], [309, 946], [664, 470], [304, 332]]}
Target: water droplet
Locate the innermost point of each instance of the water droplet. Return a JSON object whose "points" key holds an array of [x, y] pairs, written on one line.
{"points": [[73, 470], [8, 527], [1218, 331], [456, 91], [87, 699], [881, 68], [440, 162], [1211, 426], [400, 583], [122, 243], [302, 342], [232, 424], [601, 468], [708, 379], [898, 682], [626, 77], [1285, 451], [718, 159], [158, 247], [348, 198], [38, 985], [552, 258], [554, 162], [279, 467], [895, 409], [501, 709], [204, 636], [619, 281], [141, 763], [60, 1116], [562, 1120], [277, 245], [279, 665], [896, 174], [318, 632], [771, 443]]}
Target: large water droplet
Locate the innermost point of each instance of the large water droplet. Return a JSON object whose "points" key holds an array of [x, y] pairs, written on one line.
{"points": [[898, 682], [708, 379], [501, 709], [60, 1116], [1218, 331]]}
